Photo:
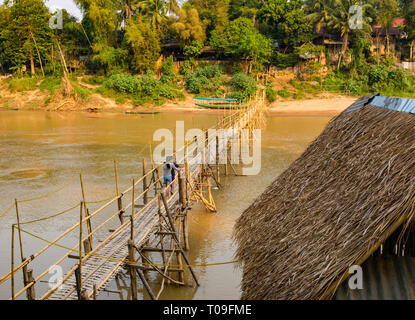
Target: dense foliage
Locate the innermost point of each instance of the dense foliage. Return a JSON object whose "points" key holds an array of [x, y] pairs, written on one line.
{"points": [[118, 39]]}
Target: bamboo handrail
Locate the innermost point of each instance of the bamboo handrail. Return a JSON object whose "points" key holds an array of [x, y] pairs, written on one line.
{"points": [[226, 122]]}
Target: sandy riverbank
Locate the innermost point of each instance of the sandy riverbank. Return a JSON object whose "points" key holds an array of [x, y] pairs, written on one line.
{"points": [[327, 105], [322, 107]]}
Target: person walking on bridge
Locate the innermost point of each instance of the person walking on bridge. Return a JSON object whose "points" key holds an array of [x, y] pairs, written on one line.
{"points": [[169, 167]]}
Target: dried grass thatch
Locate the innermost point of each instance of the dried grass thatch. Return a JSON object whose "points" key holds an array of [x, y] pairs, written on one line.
{"points": [[331, 208]]}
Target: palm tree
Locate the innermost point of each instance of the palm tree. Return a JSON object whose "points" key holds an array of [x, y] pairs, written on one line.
{"points": [[319, 12], [156, 11], [340, 17], [172, 6], [386, 12], [127, 8]]}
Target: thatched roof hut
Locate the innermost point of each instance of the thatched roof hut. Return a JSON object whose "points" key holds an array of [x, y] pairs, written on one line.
{"points": [[334, 206]]}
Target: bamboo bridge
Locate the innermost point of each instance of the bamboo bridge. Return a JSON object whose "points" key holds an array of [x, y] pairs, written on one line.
{"points": [[153, 227]]}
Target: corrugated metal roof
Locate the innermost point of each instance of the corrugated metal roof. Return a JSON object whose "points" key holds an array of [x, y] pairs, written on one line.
{"points": [[392, 103], [384, 278], [397, 104], [360, 103]]}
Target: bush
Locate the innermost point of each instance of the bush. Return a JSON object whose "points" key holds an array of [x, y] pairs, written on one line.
{"points": [[398, 78], [210, 71], [378, 74], [51, 84], [204, 79], [282, 60], [244, 84], [140, 90], [168, 73], [94, 79], [284, 93], [23, 84], [81, 92], [271, 94], [355, 87], [120, 100], [299, 94], [124, 83]]}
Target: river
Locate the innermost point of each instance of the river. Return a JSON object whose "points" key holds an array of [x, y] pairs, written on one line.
{"points": [[42, 151]]}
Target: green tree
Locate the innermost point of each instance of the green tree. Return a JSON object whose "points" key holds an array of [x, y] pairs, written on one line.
{"points": [[243, 8], [286, 22], [101, 16], [242, 40], [319, 12], [27, 36], [127, 8], [188, 28], [145, 44], [155, 10], [4, 22], [73, 37], [386, 12], [172, 6], [340, 17], [213, 14], [408, 9], [193, 50]]}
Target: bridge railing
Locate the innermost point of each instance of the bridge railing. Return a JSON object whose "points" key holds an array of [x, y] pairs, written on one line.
{"points": [[236, 118]]}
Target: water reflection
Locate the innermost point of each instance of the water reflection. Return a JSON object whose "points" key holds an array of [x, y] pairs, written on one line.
{"points": [[41, 151]]}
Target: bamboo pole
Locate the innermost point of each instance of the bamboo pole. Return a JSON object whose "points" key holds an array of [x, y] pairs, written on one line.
{"points": [[182, 190], [18, 228], [217, 161], [6, 277], [88, 223], [38, 54], [133, 200], [80, 244], [173, 228], [145, 197], [131, 256], [12, 263], [187, 170], [146, 285], [30, 292], [117, 192], [119, 200], [78, 283], [179, 256], [163, 253]]}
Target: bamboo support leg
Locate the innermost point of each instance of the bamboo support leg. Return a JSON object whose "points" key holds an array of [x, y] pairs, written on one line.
{"points": [[28, 278], [185, 231], [120, 209], [78, 283], [88, 223], [133, 275], [12, 263], [146, 285], [173, 228], [145, 196]]}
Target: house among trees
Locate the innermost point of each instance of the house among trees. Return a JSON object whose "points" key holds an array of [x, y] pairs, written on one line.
{"points": [[386, 40]]}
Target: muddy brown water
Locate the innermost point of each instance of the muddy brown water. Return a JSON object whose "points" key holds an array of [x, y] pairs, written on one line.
{"points": [[41, 151]]}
